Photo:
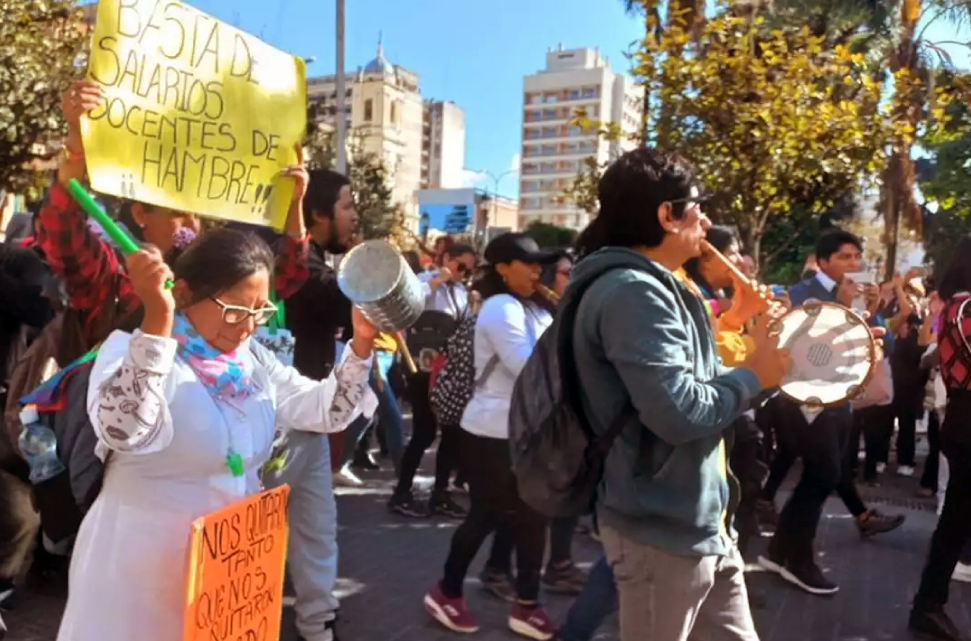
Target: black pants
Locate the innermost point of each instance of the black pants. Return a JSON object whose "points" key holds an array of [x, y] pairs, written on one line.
{"points": [[19, 524], [932, 465], [750, 471], [876, 425], [907, 405], [954, 527], [495, 503], [424, 427], [774, 424], [561, 544], [821, 447]]}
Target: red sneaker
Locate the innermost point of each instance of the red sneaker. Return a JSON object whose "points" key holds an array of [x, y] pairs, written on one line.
{"points": [[531, 622], [451, 613]]}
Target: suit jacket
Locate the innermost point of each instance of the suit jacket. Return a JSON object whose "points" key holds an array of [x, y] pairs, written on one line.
{"points": [[810, 288]]}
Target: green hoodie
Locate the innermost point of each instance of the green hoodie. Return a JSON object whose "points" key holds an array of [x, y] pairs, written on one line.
{"points": [[642, 336]]}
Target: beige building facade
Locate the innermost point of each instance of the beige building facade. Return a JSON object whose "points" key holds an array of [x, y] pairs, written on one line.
{"points": [[553, 150]]}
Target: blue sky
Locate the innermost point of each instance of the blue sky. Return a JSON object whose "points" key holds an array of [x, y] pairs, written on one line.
{"points": [[472, 52]]}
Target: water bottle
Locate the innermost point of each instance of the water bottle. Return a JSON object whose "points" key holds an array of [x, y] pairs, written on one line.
{"points": [[38, 443]]}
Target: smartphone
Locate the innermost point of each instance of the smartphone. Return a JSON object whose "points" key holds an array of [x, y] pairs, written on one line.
{"points": [[862, 278]]}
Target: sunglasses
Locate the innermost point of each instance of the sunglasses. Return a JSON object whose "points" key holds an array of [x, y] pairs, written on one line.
{"points": [[235, 314]]}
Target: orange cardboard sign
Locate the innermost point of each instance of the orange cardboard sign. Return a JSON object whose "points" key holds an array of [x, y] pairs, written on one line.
{"points": [[236, 563]]}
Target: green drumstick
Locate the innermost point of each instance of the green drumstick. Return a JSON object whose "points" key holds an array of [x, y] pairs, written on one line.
{"points": [[93, 209]]}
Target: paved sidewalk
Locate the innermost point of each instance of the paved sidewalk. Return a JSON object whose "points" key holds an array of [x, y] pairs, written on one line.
{"points": [[387, 562]]}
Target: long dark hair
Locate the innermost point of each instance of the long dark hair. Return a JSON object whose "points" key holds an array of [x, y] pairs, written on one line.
{"points": [[218, 259], [630, 192], [957, 276]]}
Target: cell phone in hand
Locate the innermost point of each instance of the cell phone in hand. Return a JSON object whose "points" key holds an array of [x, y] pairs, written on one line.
{"points": [[862, 278]]}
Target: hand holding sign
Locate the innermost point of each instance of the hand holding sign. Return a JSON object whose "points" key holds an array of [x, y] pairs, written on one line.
{"points": [[298, 173], [195, 116]]}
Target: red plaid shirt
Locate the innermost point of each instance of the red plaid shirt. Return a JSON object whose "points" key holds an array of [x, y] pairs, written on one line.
{"points": [[951, 343], [90, 267]]}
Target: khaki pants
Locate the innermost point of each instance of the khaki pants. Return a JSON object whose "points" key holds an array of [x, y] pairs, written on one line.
{"points": [[668, 597]]}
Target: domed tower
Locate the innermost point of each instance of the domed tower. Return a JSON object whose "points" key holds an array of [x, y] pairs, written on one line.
{"points": [[387, 120]]}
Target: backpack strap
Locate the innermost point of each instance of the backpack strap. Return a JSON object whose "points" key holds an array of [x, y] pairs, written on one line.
{"points": [[487, 370], [606, 440]]}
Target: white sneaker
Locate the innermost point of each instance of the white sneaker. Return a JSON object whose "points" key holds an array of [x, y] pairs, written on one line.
{"points": [[344, 477], [962, 572], [905, 470], [881, 467]]}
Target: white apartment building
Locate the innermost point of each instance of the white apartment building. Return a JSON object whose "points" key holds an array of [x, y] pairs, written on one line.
{"points": [[553, 150], [387, 116], [443, 146]]}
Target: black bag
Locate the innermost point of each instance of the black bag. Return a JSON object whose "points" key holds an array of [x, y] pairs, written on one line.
{"points": [[557, 459], [427, 336]]}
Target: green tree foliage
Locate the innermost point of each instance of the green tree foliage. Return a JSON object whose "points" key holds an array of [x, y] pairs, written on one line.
{"points": [[40, 40], [780, 126], [378, 216], [547, 235], [947, 184]]}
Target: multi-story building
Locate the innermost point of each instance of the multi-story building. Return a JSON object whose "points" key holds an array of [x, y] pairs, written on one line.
{"points": [[443, 145], [386, 116], [553, 150]]}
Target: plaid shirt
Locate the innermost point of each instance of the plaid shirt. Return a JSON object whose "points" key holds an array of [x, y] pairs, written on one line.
{"points": [[90, 267], [952, 343]]}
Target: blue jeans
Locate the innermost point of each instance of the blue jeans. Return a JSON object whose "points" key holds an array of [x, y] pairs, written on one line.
{"points": [[596, 602], [389, 414]]}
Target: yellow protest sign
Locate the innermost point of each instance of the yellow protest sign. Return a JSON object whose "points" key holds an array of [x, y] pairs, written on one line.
{"points": [[236, 563], [197, 116]]}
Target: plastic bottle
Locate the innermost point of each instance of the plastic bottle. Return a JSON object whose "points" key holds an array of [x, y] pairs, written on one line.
{"points": [[38, 443]]}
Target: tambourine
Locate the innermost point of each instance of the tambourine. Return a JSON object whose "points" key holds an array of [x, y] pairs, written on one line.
{"points": [[833, 354]]}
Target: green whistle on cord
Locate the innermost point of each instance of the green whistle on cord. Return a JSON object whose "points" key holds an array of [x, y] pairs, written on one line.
{"points": [[93, 209]]}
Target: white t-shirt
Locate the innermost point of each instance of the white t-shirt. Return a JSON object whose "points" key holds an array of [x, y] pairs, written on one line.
{"points": [[507, 329]]}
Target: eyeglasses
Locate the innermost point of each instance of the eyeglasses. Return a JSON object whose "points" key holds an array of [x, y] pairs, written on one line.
{"points": [[235, 314], [699, 200]]}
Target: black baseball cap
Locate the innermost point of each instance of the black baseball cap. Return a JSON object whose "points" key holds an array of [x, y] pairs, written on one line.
{"points": [[515, 246]]}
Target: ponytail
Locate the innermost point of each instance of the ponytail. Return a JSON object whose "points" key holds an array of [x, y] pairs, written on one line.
{"points": [[595, 236]]}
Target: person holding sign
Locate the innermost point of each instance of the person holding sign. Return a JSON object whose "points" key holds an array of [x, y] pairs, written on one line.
{"points": [[186, 407], [91, 269]]}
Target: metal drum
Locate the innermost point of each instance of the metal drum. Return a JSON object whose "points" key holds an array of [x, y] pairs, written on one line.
{"points": [[378, 280]]}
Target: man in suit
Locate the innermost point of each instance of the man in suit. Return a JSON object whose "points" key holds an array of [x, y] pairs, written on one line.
{"points": [[824, 445]]}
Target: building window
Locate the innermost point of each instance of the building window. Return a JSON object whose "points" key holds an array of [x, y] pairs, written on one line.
{"points": [[575, 132], [590, 92], [550, 97], [574, 94], [549, 114], [529, 168], [547, 167], [368, 110], [531, 98], [548, 150], [531, 134], [549, 132], [532, 116], [394, 112]]}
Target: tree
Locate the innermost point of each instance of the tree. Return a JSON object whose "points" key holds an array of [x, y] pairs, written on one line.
{"points": [[378, 216], [779, 127], [547, 235], [40, 40]]}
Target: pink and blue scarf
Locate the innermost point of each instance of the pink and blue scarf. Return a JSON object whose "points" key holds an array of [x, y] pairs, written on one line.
{"points": [[224, 374]]}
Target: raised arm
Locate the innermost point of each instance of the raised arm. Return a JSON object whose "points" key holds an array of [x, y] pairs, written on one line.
{"points": [[325, 406], [126, 392], [86, 264]]}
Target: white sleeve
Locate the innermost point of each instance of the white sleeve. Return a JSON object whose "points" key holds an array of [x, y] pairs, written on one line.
{"points": [[502, 320], [126, 392], [425, 278], [323, 406]]}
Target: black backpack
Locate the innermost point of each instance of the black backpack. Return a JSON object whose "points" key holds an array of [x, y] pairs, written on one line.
{"points": [[557, 459]]}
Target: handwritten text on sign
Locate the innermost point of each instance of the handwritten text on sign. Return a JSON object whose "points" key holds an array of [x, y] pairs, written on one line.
{"points": [[198, 116], [237, 557]]}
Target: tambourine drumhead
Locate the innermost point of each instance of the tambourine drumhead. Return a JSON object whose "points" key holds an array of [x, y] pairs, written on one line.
{"points": [[833, 354]]}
